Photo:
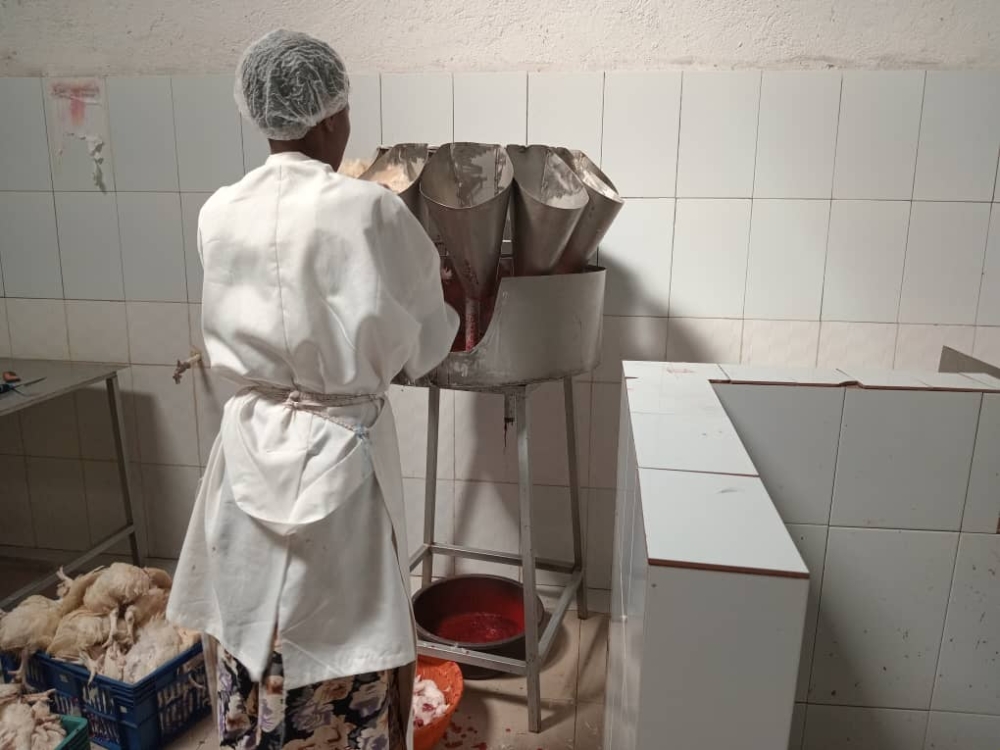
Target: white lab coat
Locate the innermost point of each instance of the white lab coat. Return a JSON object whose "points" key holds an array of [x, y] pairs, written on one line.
{"points": [[322, 284]]}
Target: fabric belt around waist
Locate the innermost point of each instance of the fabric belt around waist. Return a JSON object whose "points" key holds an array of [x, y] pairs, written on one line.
{"points": [[295, 398]]}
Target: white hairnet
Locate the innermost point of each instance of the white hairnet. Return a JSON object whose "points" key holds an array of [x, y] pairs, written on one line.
{"points": [[288, 82]]}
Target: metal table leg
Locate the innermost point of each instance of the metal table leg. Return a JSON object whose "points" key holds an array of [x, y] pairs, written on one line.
{"points": [[430, 486], [118, 429], [531, 658], [583, 611]]}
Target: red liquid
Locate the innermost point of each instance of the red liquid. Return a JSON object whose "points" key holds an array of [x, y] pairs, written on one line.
{"points": [[477, 627]]}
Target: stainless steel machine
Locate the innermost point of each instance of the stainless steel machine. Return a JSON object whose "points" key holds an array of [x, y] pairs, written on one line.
{"points": [[545, 326]]}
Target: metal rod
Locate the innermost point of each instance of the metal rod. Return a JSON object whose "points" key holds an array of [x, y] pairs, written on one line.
{"points": [[44, 583], [555, 621], [532, 664], [417, 557], [430, 483], [472, 658], [471, 323], [507, 558], [582, 608], [118, 429]]}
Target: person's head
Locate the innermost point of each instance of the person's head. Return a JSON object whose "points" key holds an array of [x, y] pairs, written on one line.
{"points": [[294, 88]]}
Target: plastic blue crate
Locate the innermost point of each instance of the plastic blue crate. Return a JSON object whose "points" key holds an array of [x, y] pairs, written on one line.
{"points": [[143, 716], [34, 674], [77, 736]]}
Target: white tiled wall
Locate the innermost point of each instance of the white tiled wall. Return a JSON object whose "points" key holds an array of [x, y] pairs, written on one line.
{"points": [[891, 497], [782, 218]]}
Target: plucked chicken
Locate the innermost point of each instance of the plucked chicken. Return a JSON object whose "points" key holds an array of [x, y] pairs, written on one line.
{"points": [[111, 620], [26, 722]]}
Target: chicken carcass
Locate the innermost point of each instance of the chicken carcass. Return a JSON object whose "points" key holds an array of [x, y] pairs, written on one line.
{"points": [[148, 606], [79, 632], [27, 723], [71, 590], [118, 586], [158, 643], [160, 578], [29, 627], [354, 167]]}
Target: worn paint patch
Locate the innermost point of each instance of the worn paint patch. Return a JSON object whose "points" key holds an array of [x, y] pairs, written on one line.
{"points": [[79, 95]]}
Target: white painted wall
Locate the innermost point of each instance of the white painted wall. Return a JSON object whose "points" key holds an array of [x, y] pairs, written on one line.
{"points": [[145, 36]]}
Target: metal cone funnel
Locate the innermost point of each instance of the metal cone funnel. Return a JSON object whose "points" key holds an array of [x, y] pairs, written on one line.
{"points": [[466, 189], [398, 168], [601, 210], [548, 201]]}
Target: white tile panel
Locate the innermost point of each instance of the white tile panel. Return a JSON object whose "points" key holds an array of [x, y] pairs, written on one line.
{"points": [[811, 543], [944, 262], [491, 107], [76, 117], [16, 530], [922, 487], [637, 254], [781, 343], [89, 246], [209, 139], [695, 442], [416, 108], [24, 148], [982, 505], [158, 332], [950, 731], [38, 329], [711, 521], [152, 247], [864, 264], [837, 727], [881, 617], [861, 344], [918, 347], [169, 493], [191, 204], [704, 340], [787, 256], [797, 133], [141, 112], [791, 434], [97, 331], [968, 673], [50, 429], [718, 134], [711, 241], [366, 116], [409, 406], [877, 135], [630, 339], [30, 251], [641, 121], [58, 505], [959, 136], [989, 298], [444, 519], [565, 109], [709, 672], [166, 422]]}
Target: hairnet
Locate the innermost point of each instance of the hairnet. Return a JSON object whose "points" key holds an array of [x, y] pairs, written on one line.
{"points": [[288, 82]]}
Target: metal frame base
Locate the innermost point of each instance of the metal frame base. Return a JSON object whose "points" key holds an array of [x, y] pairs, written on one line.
{"points": [[128, 531], [537, 644]]}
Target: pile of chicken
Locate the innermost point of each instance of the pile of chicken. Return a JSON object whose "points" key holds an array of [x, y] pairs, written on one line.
{"points": [[429, 702], [26, 723], [111, 620]]}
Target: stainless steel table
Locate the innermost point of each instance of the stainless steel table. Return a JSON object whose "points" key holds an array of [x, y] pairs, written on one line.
{"points": [[60, 379]]}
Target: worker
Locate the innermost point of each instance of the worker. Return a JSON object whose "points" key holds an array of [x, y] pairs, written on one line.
{"points": [[319, 289]]}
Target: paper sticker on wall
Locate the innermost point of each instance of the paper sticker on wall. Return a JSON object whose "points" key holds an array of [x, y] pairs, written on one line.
{"points": [[77, 122]]}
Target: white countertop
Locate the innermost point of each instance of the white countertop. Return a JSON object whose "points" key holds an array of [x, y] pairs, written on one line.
{"points": [[704, 504]]}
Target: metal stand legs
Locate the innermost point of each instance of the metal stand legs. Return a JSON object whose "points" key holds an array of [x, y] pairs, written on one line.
{"points": [[537, 645]]}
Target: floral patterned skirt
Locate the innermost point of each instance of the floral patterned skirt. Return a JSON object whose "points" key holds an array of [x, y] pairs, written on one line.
{"points": [[352, 713]]}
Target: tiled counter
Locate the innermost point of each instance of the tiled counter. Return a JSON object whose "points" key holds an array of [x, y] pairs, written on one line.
{"points": [[798, 557]]}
